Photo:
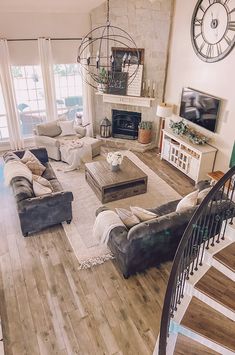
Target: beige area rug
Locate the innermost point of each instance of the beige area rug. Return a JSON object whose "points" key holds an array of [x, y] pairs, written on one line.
{"points": [[86, 247]]}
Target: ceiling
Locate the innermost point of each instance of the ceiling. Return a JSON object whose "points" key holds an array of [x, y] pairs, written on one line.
{"points": [[49, 6]]}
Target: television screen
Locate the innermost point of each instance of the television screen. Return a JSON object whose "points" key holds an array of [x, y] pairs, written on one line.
{"points": [[199, 108]]}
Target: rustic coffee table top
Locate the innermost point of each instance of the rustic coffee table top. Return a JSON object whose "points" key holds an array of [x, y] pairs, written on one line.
{"points": [[103, 175]]}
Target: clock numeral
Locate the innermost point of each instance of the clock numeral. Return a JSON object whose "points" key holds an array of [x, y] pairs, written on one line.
{"points": [[228, 40], [201, 8], [198, 21], [198, 35], [231, 25], [219, 50], [209, 51], [202, 46]]}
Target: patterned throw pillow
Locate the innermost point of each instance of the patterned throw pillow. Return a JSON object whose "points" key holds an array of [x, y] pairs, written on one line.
{"points": [[127, 217], [32, 162], [142, 214]]}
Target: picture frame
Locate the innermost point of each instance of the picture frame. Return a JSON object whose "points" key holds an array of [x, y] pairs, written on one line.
{"points": [[119, 52]]}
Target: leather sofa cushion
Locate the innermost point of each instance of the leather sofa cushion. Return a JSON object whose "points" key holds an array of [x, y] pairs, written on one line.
{"points": [[22, 188], [166, 208]]}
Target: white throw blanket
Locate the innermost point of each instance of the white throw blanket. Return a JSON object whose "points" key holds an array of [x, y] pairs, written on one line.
{"points": [[74, 153], [16, 168], [104, 223]]}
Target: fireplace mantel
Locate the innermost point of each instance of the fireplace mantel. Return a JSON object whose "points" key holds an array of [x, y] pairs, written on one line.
{"points": [[127, 100]]}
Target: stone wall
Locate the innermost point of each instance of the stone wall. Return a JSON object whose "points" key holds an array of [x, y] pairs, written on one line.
{"points": [[148, 22]]}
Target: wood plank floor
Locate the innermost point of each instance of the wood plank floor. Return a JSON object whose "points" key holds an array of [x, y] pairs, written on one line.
{"points": [[48, 306], [227, 256], [187, 346], [218, 287], [208, 322]]}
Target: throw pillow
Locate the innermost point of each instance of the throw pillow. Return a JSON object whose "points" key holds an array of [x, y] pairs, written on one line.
{"points": [[142, 214], [187, 202], [40, 190], [202, 194], [127, 217], [67, 128], [32, 162]]}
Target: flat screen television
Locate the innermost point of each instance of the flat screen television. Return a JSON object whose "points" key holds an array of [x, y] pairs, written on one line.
{"points": [[200, 108]]}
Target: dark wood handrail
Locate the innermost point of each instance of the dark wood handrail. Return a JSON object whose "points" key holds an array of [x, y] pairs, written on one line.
{"points": [[226, 183]]}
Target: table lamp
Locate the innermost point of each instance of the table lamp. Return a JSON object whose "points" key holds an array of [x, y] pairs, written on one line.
{"points": [[163, 111]]}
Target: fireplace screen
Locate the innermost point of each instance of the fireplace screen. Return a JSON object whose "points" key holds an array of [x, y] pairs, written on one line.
{"points": [[125, 124]]}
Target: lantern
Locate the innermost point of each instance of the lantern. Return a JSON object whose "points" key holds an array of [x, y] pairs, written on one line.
{"points": [[105, 128]]}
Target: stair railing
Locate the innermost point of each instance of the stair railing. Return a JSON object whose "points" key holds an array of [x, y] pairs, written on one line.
{"points": [[206, 227]]}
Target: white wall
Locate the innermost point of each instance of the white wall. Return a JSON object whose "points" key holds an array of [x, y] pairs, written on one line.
{"points": [[186, 69], [34, 25]]}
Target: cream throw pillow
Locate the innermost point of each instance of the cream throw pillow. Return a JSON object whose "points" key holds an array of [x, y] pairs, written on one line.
{"points": [[41, 186], [143, 214], [202, 194], [32, 162], [127, 217], [67, 128], [187, 202]]}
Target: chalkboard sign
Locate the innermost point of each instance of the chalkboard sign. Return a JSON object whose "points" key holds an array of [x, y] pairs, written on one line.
{"points": [[118, 83], [232, 160]]}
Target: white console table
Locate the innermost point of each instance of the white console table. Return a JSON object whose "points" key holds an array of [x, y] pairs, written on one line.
{"points": [[196, 161]]}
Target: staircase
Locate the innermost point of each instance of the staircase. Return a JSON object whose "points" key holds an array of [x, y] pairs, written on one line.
{"points": [[205, 320], [200, 297]]}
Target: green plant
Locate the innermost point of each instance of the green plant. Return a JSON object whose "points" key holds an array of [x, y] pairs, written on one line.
{"points": [[146, 125], [193, 136], [103, 76]]}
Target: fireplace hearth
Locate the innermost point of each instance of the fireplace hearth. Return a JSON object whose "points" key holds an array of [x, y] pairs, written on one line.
{"points": [[125, 124]]}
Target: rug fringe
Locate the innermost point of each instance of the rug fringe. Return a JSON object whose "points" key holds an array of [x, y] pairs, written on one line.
{"points": [[93, 261]]}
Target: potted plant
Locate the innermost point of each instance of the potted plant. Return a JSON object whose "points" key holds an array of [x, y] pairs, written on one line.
{"points": [[103, 80], [145, 132]]}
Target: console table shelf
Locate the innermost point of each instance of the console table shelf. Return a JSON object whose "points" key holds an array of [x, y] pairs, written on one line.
{"points": [[196, 161], [127, 100]]}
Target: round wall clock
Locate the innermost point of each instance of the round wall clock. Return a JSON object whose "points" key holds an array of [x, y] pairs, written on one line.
{"points": [[213, 29]]}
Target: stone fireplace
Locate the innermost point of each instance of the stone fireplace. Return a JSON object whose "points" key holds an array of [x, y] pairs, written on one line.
{"points": [[125, 124]]}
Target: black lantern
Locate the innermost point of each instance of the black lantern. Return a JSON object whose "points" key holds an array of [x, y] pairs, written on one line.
{"points": [[105, 128]]}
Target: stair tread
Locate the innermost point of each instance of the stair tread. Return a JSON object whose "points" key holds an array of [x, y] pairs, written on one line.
{"points": [[209, 323], [218, 287], [185, 345], [227, 256]]}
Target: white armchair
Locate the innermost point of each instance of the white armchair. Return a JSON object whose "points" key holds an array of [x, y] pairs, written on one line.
{"points": [[48, 135]]}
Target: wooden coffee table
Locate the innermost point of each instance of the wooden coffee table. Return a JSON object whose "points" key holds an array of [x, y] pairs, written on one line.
{"points": [[111, 186]]}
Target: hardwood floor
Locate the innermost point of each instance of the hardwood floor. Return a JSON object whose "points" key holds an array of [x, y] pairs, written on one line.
{"points": [[227, 257], [210, 323], [218, 287], [185, 345], [48, 306]]}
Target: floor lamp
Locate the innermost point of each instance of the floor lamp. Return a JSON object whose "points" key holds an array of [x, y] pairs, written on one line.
{"points": [[163, 111]]}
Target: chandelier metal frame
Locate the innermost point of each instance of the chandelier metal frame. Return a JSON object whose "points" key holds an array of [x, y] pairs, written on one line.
{"points": [[102, 67]]}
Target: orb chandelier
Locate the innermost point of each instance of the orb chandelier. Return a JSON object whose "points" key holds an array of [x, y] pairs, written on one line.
{"points": [[107, 55]]}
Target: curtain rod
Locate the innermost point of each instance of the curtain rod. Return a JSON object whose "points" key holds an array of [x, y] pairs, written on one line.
{"points": [[52, 39]]}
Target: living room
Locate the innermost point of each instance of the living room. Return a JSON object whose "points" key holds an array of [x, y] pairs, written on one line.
{"points": [[96, 283]]}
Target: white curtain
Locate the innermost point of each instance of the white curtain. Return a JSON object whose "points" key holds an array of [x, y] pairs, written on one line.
{"points": [[15, 138], [87, 93], [45, 55]]}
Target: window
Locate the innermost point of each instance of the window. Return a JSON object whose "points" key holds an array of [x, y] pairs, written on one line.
{"points": [[29, 96], [68, 85], [4, 134]]}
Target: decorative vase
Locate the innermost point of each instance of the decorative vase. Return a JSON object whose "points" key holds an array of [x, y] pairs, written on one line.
{"points": [[115, 167], [144, 136]]}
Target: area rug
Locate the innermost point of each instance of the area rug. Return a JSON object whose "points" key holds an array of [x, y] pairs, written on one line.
{"points": [[86, 247]]}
